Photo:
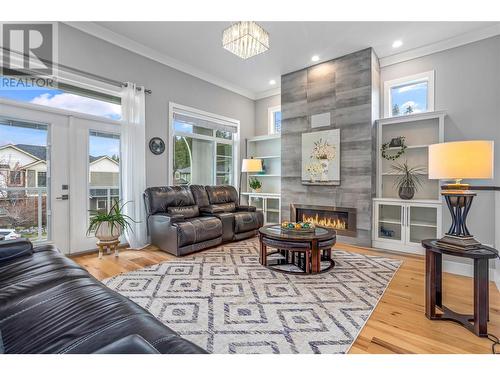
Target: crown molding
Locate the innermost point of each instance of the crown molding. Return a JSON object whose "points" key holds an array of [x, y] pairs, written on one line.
{"points": [[267, 93], [443, 45], [103, 33]]}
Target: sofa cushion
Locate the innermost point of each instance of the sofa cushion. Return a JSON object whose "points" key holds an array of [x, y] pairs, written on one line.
{"points": [[186, 212], [162, 197], [222, 194], [200, 195], [245, 221], [198, 230]]}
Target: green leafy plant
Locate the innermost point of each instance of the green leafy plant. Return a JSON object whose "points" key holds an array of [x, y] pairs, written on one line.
{"points": [[406, 176], [254, 183], [115, 218]]}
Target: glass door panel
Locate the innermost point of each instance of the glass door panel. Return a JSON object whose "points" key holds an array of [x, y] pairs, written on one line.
{"points": [[257, 202], [422, 223], [24, 160], [390, 222], [224, 168]]}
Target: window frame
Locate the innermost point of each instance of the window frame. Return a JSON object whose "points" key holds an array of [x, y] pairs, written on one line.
{"points": [[271, 129], [235, 142], [407, 80]]}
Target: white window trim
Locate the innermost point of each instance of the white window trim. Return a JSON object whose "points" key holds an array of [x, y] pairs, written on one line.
{"points": [[420, 77], [270, 118], [235, 142]]}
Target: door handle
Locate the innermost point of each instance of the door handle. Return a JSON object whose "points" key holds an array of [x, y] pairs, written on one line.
{"points": [[63, 197]]}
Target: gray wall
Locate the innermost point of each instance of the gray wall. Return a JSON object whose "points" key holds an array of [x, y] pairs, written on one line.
{"points": [[347, 88], [83, 51], [261, 113], [467, 87]]}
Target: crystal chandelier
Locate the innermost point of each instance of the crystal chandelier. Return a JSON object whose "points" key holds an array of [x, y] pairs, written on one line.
{"points": [[245, 39]]}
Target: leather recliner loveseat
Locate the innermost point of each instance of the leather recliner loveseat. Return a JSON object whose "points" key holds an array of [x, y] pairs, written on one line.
{"points": [[185, 219]]}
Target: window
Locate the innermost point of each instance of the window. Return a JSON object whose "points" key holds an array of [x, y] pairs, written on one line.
{"points": [[409, 95], [65, 96], [15, 178], [203, 147], [31, 178], [274, 120], [42, 179]]}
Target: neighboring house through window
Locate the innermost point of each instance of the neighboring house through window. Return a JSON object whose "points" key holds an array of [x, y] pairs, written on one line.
{"points": [[204, 147]]}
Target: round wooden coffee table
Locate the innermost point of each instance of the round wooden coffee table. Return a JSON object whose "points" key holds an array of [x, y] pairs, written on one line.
{"points": [[297, 252]]}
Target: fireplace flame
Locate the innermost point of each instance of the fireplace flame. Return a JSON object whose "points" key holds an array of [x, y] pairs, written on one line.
{"points": [[325, 222]]}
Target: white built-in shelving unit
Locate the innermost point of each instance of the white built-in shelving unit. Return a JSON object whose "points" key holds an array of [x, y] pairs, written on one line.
{"points": [[400, 224], [268, 200]]}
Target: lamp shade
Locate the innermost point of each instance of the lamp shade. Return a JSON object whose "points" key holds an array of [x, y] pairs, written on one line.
{"points": [[457, 160], [251, 165]]}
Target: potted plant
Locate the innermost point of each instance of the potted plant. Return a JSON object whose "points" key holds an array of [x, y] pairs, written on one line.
{"points": [[109, 226], [255, 185], [407, 179]]}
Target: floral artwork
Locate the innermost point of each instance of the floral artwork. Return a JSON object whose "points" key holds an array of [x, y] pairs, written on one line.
{"points": [[320, 157]]}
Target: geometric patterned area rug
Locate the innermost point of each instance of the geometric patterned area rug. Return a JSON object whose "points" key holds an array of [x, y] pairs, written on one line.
{"points": [[226, 302]]}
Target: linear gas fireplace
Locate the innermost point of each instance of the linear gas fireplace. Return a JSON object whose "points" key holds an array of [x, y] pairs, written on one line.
{"points": [[342, 219]]}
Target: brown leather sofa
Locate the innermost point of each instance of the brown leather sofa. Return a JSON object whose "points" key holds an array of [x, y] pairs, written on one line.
{"points": [[182, 219]]}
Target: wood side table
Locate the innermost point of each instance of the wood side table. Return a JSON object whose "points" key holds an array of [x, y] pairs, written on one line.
{"points": [[476, 323]]}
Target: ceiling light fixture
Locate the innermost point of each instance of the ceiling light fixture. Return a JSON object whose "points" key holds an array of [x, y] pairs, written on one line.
{"points": [[315, 58], [397, 44], [272, 82], [245, 39]]}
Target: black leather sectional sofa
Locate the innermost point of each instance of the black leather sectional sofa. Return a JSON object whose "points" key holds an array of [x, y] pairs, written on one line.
{"points": [[49, 304], [185, 219]]}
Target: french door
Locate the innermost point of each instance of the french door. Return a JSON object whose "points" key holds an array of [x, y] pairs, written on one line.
{"points": [[82, 171]]}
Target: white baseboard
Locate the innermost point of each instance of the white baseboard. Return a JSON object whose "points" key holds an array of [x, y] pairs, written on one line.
{"points": [[464, 269]]}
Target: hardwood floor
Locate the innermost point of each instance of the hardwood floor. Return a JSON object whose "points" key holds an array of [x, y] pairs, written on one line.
{"points": [[398, 324]]}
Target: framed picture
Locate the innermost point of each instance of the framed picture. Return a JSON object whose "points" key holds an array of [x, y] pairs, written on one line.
{"points": [[321, 158]]}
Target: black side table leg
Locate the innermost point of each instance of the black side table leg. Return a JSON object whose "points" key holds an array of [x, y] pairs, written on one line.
{"points": [[430, 284], [481, 292], [439, 279]]}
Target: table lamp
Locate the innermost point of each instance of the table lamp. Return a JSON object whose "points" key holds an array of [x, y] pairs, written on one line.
{"points": [[455, 161], [249, 165]]}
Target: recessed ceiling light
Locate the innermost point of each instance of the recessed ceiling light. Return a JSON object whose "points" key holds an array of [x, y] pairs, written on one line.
{"points": [[272, 82], [315, 58], [397, 44]]}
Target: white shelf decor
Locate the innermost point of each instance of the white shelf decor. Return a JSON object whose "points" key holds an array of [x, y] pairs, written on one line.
{"points": [[400, 225], [268, 149]]}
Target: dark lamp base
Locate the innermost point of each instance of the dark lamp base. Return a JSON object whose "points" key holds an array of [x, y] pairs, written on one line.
{"points": [[459, 242]]}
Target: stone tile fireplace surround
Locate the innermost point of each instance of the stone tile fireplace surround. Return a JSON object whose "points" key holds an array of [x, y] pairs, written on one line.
{"points": [[347, 88]]}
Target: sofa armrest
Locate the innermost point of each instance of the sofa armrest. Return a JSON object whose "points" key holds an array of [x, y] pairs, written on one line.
{"points": [[246, 208], [12, 249], [132, 344], [211, 209], [173, 218]]}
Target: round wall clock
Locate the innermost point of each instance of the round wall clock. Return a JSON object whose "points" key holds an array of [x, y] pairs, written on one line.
{"points": [[156, 145]]}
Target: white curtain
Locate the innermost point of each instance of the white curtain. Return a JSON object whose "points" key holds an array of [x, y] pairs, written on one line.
{"points": [[133, 161]]}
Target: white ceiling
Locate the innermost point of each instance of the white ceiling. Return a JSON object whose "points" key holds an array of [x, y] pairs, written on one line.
{"points": [[195, 47]]}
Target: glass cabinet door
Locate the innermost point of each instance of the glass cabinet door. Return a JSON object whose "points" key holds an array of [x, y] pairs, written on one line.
{"points": [[257, 202], [422, 223], [390, 222]]}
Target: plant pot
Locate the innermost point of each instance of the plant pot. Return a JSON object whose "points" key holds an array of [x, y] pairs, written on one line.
{"points": [[406, 192], [258, 190], [104, 232]]}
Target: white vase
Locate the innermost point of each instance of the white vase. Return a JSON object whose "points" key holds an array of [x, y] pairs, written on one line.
{"points": [[104, 232], [258, 190], [324, 173]]}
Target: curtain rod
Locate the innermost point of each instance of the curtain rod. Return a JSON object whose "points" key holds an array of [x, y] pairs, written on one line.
{"points": [[77, 71]]}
